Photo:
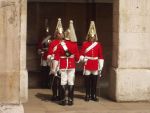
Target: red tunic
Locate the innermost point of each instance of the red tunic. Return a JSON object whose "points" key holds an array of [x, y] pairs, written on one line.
{"points": [[53, 47], [92, 55], [67, 63]]}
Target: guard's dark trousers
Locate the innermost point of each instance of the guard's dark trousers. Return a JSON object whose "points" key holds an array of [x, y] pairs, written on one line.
{"points": [[70, 94], [90, 87], [87, 87], [63, 95], [94, 87]]}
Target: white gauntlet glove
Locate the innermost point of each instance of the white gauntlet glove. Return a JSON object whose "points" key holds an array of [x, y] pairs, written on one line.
{"points": [[100, 73], [85, 59], [81, 58], [54, 67], [52, 72], [40, 52], [101, 63]]}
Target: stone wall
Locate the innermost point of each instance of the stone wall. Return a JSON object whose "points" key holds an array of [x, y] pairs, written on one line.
{"points": [[10, 51], [13, 73], [130, 73]]}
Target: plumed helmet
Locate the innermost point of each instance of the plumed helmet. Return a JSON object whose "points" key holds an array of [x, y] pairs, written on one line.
{"points": [[70, 32], [92, 31], [46, 26], [59, 28]]}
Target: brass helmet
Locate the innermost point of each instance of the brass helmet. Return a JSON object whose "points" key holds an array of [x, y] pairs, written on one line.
{"points": [[46, 26], [59, 28], [92, 31], [47, 37], [70, 32]]}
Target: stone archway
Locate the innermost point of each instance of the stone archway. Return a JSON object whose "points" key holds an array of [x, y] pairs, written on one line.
{"points": [[128, 57], [81, 13]]}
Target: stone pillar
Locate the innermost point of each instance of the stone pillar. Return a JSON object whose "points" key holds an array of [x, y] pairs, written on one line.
{"points": [[13, 73], [23, 49], [130, 73]]}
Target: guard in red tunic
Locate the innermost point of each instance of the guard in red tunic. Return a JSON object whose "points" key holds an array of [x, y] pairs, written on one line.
{"points": [[67, 54], [58, 36], [91, 54], [42, 51]]}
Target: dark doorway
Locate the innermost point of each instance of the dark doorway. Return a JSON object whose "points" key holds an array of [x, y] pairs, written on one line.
{"points": [[81, 14]]}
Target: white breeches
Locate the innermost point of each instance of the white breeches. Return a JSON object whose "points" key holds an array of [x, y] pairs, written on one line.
{"points": [[89, 72], [67, 76]]}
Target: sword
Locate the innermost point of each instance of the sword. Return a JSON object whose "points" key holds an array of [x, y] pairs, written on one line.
{"points": [[53, 79], [99, 78], [99, 89]]}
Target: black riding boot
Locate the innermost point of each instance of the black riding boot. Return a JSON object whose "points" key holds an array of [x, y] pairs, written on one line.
{"points": [[63, 95], [87, 87], [70, 94], [93, 88]]}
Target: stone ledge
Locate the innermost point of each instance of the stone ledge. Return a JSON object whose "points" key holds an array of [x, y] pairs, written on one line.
{"points": [[130, 84], [11, 108]]}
